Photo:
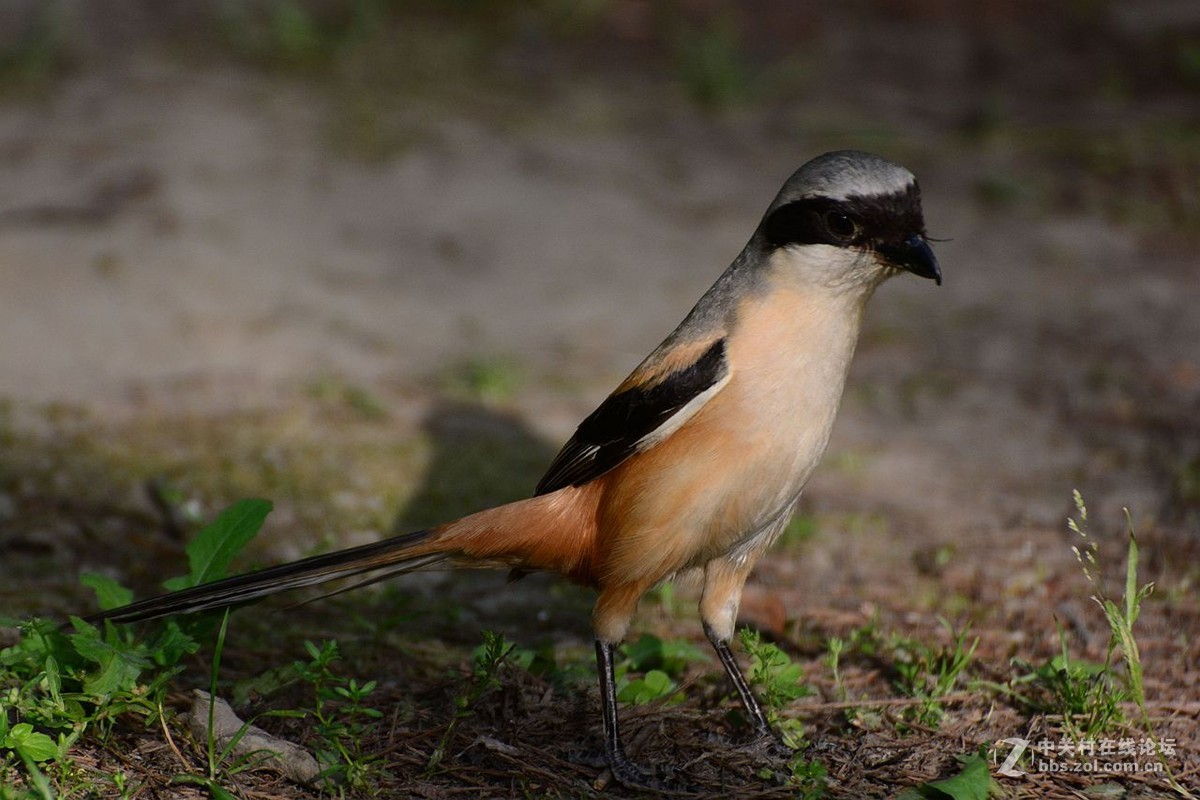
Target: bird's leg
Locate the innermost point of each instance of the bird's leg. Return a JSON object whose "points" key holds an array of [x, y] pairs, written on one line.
{"points": [[758, 717], [625, 771], [724, 579], [765, 736]]}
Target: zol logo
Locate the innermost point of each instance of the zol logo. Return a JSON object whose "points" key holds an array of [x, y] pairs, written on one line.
{"points": [[1008, 768]]}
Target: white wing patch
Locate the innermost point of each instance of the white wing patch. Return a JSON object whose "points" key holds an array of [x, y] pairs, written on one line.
{"points": [[680, 417]]}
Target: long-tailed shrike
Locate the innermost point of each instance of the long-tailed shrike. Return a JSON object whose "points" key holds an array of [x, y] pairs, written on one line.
{"points": [[695, 462]]}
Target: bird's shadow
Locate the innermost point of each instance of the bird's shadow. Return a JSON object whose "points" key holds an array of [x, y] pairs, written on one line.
{"points": [[483, 457]]}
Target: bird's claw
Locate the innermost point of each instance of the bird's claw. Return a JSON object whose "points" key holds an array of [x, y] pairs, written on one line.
{"points": [[633, 775], [771, 745]]}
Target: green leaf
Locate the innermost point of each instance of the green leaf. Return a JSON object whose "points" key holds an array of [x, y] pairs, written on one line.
{"points": [[214, 548], [29, 743], [645, 653], [677, 654], [109, 593], [214, 789], [219, 793], [119, 664], [171, 645], [53, 679], [670, 656], [774, 672], [39, 640], [974, 782], [788, 685], [1131, 591], [654, 685]]}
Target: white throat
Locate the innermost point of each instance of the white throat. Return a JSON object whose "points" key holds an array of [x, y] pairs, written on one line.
{"points": [[839, 270]]}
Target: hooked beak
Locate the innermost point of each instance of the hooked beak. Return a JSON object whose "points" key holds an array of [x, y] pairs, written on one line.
{"points": [[914, 255]]}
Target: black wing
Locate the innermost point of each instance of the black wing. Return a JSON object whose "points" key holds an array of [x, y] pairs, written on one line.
{"points": [[621, 425]]}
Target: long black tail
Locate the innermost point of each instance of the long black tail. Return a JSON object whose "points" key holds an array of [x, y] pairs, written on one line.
{"points": [[406, 553]]}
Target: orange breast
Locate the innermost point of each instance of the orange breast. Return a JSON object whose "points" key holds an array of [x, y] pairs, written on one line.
{"points": [[744, 457]]}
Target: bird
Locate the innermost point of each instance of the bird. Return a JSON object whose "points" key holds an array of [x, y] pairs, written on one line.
{"points": [[693, 465]]}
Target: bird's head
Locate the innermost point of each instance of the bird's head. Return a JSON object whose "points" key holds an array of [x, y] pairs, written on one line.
{"points": [[850, 218]]}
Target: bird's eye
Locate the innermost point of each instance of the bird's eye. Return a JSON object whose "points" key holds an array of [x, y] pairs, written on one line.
{"points": [[842, 226]]}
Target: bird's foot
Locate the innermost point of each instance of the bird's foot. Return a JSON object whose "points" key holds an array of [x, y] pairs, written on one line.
{"points": [[623, 770], [595, 759], [633, 775], [766, 743], [771, 745]]}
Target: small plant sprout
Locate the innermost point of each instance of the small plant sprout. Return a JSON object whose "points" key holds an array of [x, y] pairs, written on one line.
{"points": [[220, 755], [344, 722], [860, 715], [489, 658], [1083, 694], [777, 680], [929, 674], [833, 659]]}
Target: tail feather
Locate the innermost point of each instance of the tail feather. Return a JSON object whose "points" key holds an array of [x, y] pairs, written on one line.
{"points": [[553, 532], [391, 556]]}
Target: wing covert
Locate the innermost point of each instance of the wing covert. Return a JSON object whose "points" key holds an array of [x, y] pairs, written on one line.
{"points": [[628, 419]]}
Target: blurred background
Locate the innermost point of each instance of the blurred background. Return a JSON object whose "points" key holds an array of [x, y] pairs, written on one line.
{"points": [[374, 259], [221, 198]]}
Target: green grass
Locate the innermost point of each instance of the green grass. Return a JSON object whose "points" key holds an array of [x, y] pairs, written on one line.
{"points": [[1091, 700], [221, 762], [1121, 616], [926, 673], [289, 35], [778, 682], [800, 530], [343, 722], [489, 660], [336, 395], [60, 684], [1085, 695], [929, 674], [1089, 697], [1141, 176]]}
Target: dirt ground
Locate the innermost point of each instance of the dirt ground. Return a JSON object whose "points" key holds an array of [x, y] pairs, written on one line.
{"points": [[378, 304]]}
